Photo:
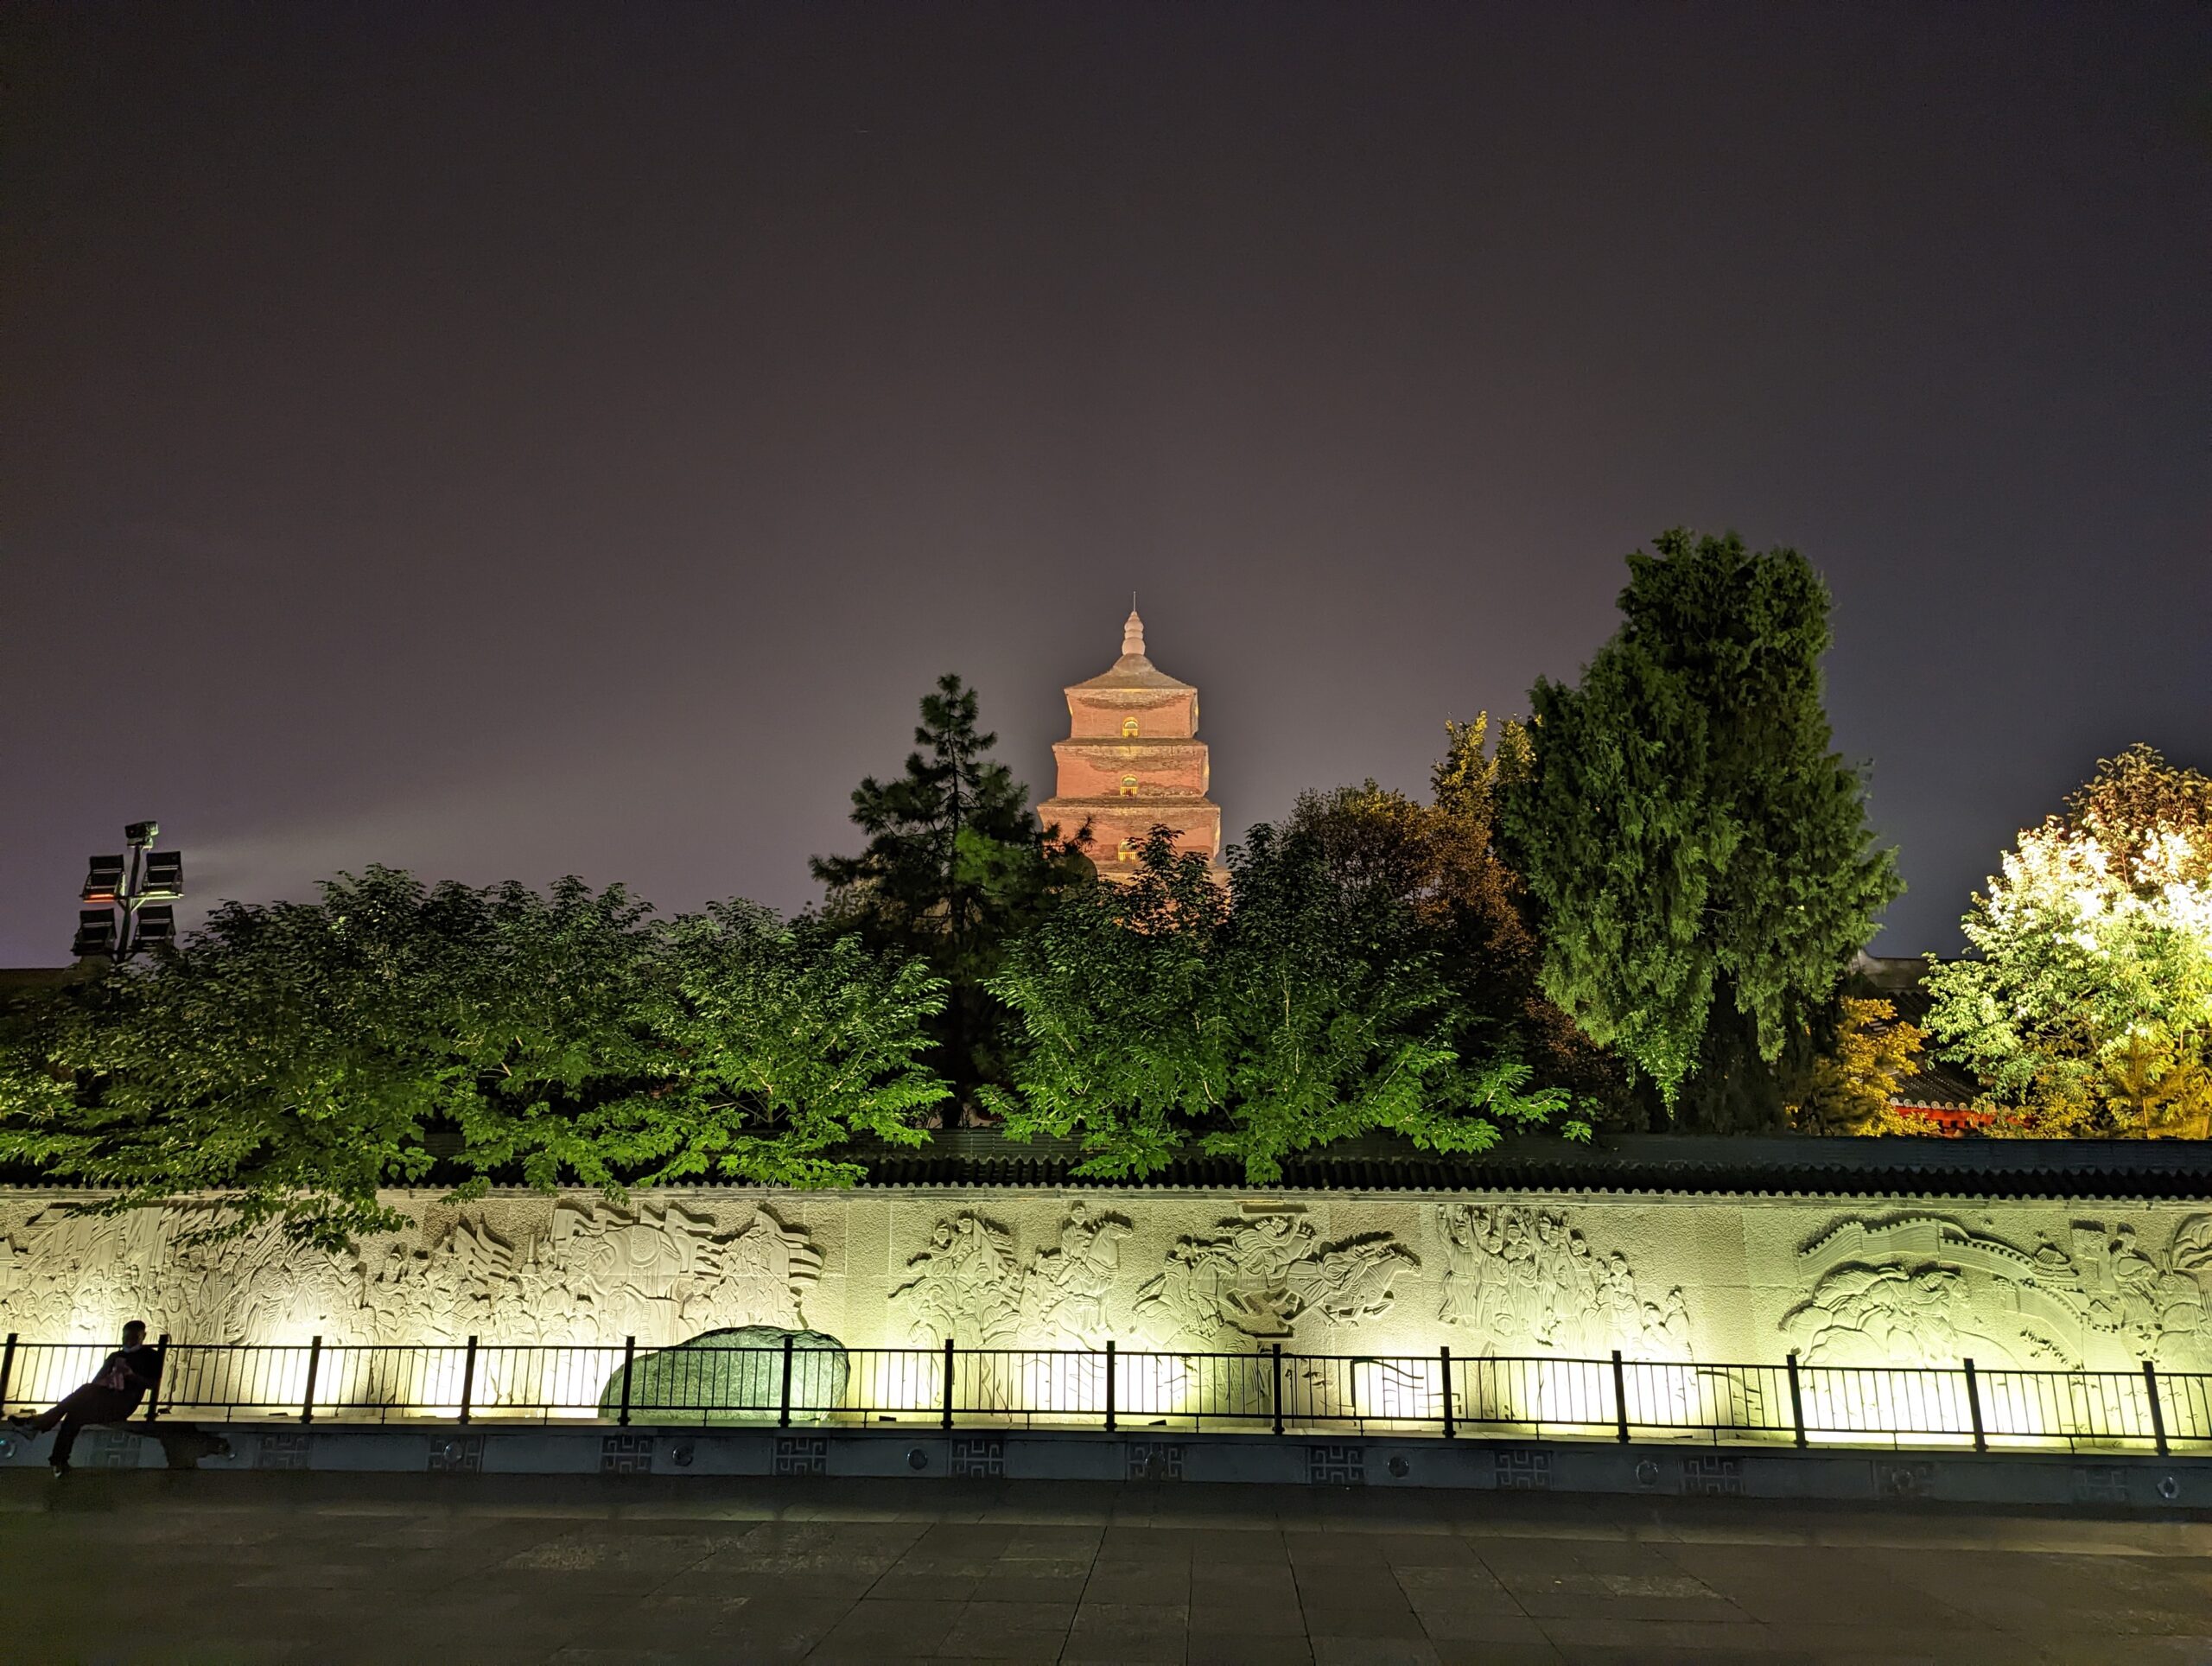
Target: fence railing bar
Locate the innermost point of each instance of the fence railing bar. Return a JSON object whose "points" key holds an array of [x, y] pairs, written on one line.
{"points": [[1268, 1389]]}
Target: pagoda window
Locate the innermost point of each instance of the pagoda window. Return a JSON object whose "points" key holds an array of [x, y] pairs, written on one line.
{"points": [[1130, 727], [1128, 786], [1128, 852]]}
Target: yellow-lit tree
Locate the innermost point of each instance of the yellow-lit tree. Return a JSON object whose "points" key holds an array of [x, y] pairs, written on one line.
{"points": [[1853, 1084], [2088, 1011]]}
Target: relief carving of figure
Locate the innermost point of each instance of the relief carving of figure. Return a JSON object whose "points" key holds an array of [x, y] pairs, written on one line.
{"points": [[1925, 1289], [1888, 1316], [1065, 1291], [1522, 1279], [1255, 1278], [970, 1283], [669, 1271], [661, 1272], [967, 1285]]}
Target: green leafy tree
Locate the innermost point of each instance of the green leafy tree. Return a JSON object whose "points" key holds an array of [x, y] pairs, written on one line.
{"points": [[2088, 1007], [775, 1046], [1303, 1008], [1698, 853], [301, 1056], [1441, 862], [955, 865]]}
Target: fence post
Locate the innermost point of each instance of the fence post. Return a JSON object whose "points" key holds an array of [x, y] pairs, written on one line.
{"points": [[948, 1383], [1109, 1385], [1620, 1398], [629, 1362], [1796, 1402], [1445, 1354], [1974, 1408], [315, 1366], [468, 1378], [160, 1376], [7, 1368], [1277, 1396], [2150, 1383], [784, 1405]]}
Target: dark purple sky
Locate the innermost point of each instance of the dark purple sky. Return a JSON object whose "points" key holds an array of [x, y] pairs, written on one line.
{"points": [[507, 440]]}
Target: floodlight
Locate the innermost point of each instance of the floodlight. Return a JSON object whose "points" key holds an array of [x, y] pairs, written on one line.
{"points": [[95, 931], [164, 876], [128, 883], [103, 879]]}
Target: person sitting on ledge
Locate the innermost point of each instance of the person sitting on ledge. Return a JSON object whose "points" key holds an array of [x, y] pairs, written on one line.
{"points": [[124, 1379]]}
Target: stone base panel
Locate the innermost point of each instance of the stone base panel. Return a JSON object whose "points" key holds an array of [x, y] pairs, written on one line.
{"points": [[2110, 1483]]}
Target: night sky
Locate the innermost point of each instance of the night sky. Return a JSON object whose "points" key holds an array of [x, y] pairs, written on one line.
{"points": [[508, 441]]}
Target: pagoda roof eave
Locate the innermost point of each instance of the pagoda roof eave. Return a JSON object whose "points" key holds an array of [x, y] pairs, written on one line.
{"points": [[1132, 674], [1134, 800]]}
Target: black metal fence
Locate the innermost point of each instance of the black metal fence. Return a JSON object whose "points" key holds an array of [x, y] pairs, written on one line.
{"points": [[1131, 1389]]}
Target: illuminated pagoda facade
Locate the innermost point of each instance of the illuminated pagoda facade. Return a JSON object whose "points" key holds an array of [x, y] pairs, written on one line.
{"points": [[1132, 762]]}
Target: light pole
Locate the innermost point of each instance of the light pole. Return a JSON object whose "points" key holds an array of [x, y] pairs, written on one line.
{"points": [[133, 892]]}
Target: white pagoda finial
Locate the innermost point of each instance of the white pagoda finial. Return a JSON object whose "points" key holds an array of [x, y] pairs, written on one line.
{"points": [[1133, 631]]}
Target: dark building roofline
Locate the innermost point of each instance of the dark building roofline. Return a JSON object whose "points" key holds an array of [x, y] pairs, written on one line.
{"points": [[1627, 1165], [1691, 1164]]}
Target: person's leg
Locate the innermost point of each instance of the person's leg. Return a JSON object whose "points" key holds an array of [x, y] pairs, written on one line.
{"points": [[65, 1441], [89, 1404], [80, 1401]]}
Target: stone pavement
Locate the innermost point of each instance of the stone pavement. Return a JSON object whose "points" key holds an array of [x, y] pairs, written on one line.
{"points": [[175, 1567]]}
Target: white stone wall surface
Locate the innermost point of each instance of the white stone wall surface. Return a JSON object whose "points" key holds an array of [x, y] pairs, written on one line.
{"points": [[1699, 1279]]}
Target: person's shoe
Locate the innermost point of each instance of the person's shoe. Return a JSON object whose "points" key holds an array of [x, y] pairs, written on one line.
{"points": [[60, 1465], [23, 1422]]}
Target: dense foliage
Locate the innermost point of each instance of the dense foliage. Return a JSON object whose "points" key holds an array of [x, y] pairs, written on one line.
{"points": [[1306, 1004], [1646, 896], [2088, 1009], [301, 1055], [955, 865], [1699, 855], [1851, 1087], [1441, 863]]}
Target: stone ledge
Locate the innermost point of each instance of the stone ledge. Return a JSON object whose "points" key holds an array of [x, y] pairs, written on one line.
{"points": [[2122, 1482]]}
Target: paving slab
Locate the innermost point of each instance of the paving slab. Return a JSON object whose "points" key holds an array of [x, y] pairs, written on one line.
{"points": [[254, 1567]]}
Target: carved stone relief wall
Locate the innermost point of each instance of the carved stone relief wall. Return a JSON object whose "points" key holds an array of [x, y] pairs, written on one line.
{"points": [[1925, 1289], [970, 1283], [1524, 1282], [569, 1270], [1253, 1279], [1695, 1280]]}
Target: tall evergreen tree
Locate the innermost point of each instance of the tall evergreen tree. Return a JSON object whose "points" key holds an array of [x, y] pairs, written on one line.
{"points": [[955, 864], [1699, 852]]}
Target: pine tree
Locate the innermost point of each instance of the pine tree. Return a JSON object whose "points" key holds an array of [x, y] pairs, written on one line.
{"points": [[954, 863]]}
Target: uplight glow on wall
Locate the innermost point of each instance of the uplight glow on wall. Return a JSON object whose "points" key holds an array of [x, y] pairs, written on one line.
{"points": [[2060, 1304]]}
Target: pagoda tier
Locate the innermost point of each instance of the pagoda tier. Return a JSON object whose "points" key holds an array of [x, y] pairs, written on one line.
{"points": [[1132, 762]]}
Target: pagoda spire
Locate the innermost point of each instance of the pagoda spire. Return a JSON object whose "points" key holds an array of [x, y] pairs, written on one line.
{"points": [[1133, 631]]}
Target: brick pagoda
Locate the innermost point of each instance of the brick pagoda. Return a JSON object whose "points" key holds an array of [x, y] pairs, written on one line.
{"points": [[1133, 761]]}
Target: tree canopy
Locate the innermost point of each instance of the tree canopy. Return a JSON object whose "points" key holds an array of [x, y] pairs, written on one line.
{"points": [[955, 865], [1698, 853], [1441, 861], [1302, 1007], [302, 1055], [1851, 1087], [2089, 1008]]}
